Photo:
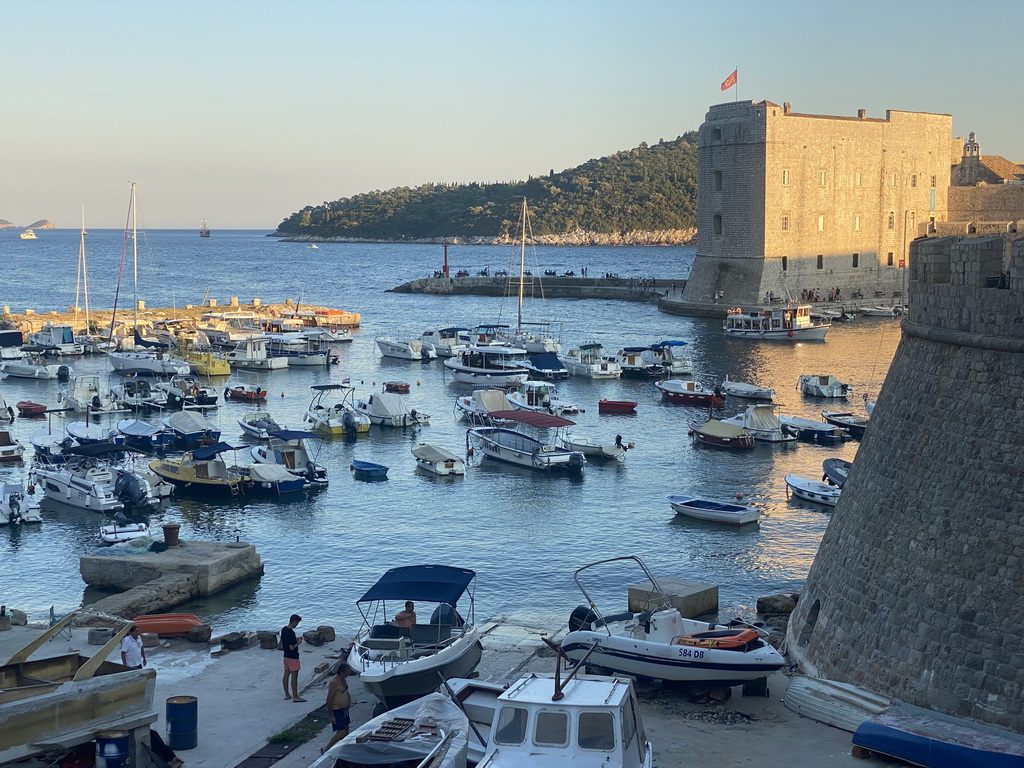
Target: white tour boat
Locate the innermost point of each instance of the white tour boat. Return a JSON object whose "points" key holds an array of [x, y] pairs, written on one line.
{"points": [[789, 323]]}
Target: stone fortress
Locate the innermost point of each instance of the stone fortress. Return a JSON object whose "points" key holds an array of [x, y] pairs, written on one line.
{"points": [[791, 203], [915, 592]]}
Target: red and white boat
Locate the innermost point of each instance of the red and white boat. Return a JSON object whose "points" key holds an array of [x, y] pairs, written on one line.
{"points": [[28, 408], [689, 392], [167, 624], [616, 406], [247, 393]]}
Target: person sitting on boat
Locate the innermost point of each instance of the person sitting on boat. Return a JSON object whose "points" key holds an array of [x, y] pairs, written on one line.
{"points": [[407, 617], [620, 444]]}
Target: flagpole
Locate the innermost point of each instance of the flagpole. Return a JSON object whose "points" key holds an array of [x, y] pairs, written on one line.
{"points": [[737, 70]]}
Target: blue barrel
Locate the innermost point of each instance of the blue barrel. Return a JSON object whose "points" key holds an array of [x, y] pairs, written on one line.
{"points": [[182, 722], [113, 749]]}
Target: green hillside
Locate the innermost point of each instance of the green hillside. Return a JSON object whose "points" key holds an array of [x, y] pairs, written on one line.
{"points": [[649, 188]]}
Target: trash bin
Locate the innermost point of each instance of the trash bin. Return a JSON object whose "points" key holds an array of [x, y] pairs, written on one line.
{"points": [[182, 722], [113, 749]]}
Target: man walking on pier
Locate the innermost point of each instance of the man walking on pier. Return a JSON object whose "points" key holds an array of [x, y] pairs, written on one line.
{"points": [[290, 646]]}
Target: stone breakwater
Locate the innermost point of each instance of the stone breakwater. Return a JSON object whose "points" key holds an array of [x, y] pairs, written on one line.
{"points": [[624, 289]]}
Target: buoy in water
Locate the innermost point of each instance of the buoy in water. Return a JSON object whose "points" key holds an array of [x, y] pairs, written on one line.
{"points": [[739, 497], [790, 334]]}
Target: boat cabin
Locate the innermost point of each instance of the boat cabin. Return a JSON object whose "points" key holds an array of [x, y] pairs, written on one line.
{"points": [[789, 318]]}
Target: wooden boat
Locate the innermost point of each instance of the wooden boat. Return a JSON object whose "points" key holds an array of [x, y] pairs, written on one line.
{"points": [[167, 624], [689, 392], [661, 644], [616, 406], [714, 511], [721, 435], [397, 387], [812, 490], [399, 664], [836, 471], [55, 700], [814, 431], [367, 470], [594, 449], [245, 393], [438, 460], [745, 390], [10, 448], [202, 471], [823, 386], [851, 422], [789, 323]]}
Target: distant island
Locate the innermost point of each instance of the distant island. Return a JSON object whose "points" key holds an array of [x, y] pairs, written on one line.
{"points": [[41, 224], [642, 196]]}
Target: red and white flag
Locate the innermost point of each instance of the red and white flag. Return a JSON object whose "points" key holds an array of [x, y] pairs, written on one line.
{"points": [[730, 81]]}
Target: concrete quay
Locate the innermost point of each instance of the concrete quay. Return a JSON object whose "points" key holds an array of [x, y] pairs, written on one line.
{"points": [[618, 288], [241, 705], [150, 582]]}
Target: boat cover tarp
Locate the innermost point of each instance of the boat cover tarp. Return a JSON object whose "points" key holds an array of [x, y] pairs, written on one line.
{"points": [[661, 344], [98, 449], [141, 342], [270, 473], [489, 400], [433, 453], [533, 418], [387, 405], [432, 583], [546, 361], [136, 428], [292, 434], [187, 422], [209, 451], [716, 428], [761, 417]]}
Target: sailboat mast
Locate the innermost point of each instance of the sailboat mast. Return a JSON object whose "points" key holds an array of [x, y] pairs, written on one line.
{"points": [[78, 279], [85, 275], [135, 263], [522, 268]]}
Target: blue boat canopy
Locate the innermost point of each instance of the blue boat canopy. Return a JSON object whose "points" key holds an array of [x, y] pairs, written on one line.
{"points": [[635, 349], [546, 361], [661, 344], [430, 583], [292, 434], [99, 449], [209, 451]]}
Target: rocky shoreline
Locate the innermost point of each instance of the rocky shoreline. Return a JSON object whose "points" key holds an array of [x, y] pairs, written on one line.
{"points": [[578, 238]]}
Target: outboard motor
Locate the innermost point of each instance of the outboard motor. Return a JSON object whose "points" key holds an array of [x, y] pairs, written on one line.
{"points": [[63, 373], [581, 618], [348, 421], [131, 490]]}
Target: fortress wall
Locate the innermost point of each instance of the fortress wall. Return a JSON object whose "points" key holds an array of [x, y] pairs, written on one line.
{"points": [[1002, 202], [915, 591]]}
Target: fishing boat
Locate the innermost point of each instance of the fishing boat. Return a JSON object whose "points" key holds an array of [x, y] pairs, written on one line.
{"points": [[594, 449], [718, 434], [714, 511], [836, 471], [368, 470], [514, 446], [761, 422], [616, 406], [539, 396], [438, 460], [445, 341], [202, 470], [478, 406], [16, 506], [814, 431], [387, 409], [490, 366], [259, 424], [404, 348], [398, 664], [288, 448], [332, 411], [788, 323], [851, 422], [191, 429], [587, 361], [145, 436], [10, 448], [812, 490], [28, 409], [746, 390], [670, 357], [689, 392], [204, 231], [817, 385], [657, 642]]}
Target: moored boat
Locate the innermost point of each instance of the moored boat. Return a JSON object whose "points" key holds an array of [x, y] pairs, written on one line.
{"points": [[144, 436], [491, 365], [746, 390], [851, 422], [713, 510], [288, 448], [789, 323], [760, 421], [368, 470], [191, 429], [817, 385], [593, 448], [478, 406], [167, 624], [717, 433], [438, 460], [259, 424], [120, 531], [587, 361], [836, 471], [812, 490], [28, 409], [814, 431], [616, 406], [387, 409], [16, 506], [202, 470], [689, 392], [515, 447], [332, 411], [10, 447]]}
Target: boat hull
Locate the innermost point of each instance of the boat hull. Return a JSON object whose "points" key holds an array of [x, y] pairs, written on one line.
{"points": [[714, 511], [810, 490], [513, 447]]}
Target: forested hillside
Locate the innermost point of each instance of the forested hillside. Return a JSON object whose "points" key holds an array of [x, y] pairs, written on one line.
{"points": [[646, 189]]}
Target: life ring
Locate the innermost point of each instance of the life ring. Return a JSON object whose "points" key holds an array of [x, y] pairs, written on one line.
{"points": [[723, 639]]}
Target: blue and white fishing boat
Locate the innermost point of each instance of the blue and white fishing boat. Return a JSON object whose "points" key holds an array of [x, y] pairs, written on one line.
{"points": [[144, 436], [367, 470], [714, 511], [288, 448]]}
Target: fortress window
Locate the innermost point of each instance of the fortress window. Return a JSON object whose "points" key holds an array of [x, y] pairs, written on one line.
{"points": [[888, 261], [856, 223], [821, 262], [822, 177], [856, 179], [785, 263], [821, 223], [718, 181], [913, 180], [716, 224], [856, 260], [785, 223], [785, 177], [716, 134], [933, 182], [892, 220]]}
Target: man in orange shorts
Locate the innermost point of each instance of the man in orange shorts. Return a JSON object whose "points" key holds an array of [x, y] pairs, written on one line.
{"points": [[290, 645]]}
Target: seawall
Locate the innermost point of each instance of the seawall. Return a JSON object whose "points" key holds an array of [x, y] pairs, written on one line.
{"points": [[623, 289]]}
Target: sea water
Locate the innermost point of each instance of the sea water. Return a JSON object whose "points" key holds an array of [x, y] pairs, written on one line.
{"points": [[523, 532]]}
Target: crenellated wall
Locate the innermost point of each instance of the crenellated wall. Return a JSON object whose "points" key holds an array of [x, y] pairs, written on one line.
{"points": [[916, 590]]}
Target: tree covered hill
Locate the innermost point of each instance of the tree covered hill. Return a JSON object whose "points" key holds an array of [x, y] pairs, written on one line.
{"points": [[646, 189]]}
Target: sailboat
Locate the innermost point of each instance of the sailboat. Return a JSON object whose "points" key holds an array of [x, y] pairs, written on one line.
{"points": [[91, 342], [533, 341], [204, 231], [154, 359]]}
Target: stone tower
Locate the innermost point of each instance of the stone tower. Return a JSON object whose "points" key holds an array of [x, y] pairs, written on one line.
{"points": [[788, 202], [916, 591]]}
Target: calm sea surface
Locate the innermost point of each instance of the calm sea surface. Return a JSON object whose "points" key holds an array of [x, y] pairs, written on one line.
{"points": [[523, 532]]}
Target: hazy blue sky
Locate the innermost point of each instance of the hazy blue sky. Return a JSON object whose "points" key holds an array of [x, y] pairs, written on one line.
{"points": [[243, 112]]}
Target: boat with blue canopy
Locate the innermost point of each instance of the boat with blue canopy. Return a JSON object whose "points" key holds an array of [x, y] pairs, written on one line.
{"points": [[288, 447], [399, 659]]}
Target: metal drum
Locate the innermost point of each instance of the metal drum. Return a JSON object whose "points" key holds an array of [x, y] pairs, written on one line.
{"points": [[113, 749], [182, 722]]}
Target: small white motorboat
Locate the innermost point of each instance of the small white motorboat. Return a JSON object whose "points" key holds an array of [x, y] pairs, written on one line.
{"points": [[121, 530], [823, 386], [540, 396], [259, 424], [714, 511], [435, 459], [836, 471], [812, 490], [16, 507], [814, 431], [478, 406], [745, 390], [516, 447], [851, 422], [880, 311], [387, 409], [594, 449], [761, 421], [10, 448], [290, 449], [405, 348]]}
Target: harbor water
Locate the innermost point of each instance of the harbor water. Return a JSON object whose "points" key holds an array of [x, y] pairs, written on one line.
{"points": [[524, 532]]}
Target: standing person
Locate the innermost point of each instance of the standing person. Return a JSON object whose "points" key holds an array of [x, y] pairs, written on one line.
{"points": [[132, 653], [290, 645], [338, 702], [407, 617]]}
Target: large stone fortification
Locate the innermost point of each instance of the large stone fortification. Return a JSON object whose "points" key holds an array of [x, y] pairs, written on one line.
{"points": [[916, 590]]}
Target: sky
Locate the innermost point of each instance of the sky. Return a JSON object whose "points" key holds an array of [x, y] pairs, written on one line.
{"points": [[245, 112]]}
